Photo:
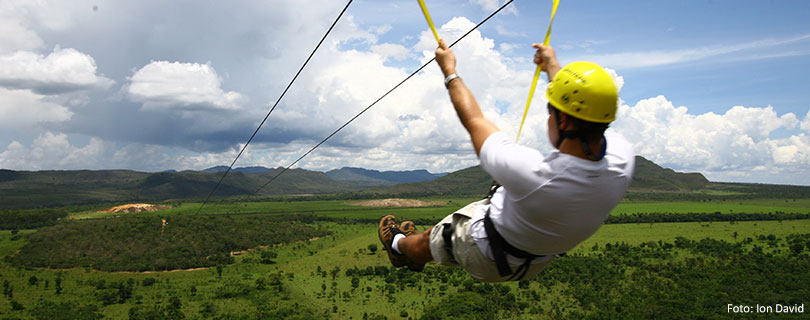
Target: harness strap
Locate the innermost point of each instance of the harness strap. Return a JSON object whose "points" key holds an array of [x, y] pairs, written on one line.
{"points": [[500, 248], [447, 233]]}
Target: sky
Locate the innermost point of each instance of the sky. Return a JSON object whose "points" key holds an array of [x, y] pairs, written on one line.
{"points": [[716, 87]]}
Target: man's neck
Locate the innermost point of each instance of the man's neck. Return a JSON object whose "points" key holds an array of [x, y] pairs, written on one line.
{"points": [[574, 147]]}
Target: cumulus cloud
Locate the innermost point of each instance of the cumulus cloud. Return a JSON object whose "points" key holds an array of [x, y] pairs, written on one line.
{"points": [[391, 51], [51, 150], [730, 145], [21, 108], [184, 86], [415, 126], [15, 36], [805, 125], [62, 70]]}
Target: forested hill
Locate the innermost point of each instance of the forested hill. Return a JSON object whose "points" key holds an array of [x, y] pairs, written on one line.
{"points": [[35, 189], [474, 181], [650, 176]]}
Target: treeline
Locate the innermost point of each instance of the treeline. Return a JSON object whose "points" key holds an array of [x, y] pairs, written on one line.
{"points": [[159, 243], [656, 217], [30, 219], [681, 279], [643, 281], [703, 217]]}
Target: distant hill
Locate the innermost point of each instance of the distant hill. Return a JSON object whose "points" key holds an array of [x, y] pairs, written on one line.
{"points": [[466, 182], [242, 169], [475, 181], [384, 178], [35, 189], [650, 176]]}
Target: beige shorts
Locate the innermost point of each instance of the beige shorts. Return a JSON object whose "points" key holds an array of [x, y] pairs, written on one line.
{"points": [[466, 252]]}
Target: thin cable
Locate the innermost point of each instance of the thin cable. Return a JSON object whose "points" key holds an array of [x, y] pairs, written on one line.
{"points": [[380, 98], [274, 105]]}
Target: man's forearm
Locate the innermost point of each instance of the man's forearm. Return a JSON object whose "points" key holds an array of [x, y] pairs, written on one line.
{"points": [[470, 114], [464, 102]]}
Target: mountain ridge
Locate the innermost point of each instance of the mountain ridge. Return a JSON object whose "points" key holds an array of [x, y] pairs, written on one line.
{"points": [[52, 188]]}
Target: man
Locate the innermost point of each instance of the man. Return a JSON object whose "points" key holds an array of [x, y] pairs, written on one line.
{"points": [[547, 204]]}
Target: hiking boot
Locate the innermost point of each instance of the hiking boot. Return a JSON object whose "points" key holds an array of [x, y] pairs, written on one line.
{"points": [[389, 227], [408, 228]]}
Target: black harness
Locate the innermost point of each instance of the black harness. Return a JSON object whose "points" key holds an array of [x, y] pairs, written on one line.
{"points": [[499, 246]]}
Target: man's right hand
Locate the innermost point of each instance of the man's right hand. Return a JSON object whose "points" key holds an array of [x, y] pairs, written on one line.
{"points": [[547, 59], [446, 59]]}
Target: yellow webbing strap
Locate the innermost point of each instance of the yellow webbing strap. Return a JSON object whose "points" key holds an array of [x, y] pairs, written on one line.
{"points": [[536, 71], [429, 21]]}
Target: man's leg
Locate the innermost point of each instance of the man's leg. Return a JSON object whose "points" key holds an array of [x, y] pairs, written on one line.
{"points": [[416, 247], [412, 249]]}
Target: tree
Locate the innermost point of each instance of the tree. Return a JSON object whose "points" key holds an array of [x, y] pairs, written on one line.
{"points": [[33, 281], [64, 311], [208, 310], [372, 248], [267, 257], [58, 284], [173, 309], [16, 306]]}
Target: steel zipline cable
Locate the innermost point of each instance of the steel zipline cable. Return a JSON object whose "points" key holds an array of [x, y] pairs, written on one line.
{"points": [[378, 100], [274, 105]]}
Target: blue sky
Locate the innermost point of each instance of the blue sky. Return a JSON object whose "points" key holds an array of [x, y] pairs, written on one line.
{"points": [[716, 87]]}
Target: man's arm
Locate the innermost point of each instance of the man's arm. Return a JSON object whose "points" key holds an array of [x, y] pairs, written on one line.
{"points": [[479, 127]]}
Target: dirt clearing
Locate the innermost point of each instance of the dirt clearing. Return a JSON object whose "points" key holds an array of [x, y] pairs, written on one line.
{"points": [[135, 207], [396, 202]]}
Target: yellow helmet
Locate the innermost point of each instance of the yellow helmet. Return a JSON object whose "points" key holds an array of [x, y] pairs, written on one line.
{"points": [[584, 90]]}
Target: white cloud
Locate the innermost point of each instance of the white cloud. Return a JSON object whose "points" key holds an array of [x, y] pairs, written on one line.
{"points": [[723, 146], [492, 5], [50, 151], [627, 60], [380, 30], [22, 108], [184, 86], [415, 126], [805, 124], [507, 47], [62, 70], [509, 33], [391, 51], [14, 36]]}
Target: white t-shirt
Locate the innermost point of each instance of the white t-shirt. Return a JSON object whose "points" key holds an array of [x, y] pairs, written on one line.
{"points": [[548, 205]]}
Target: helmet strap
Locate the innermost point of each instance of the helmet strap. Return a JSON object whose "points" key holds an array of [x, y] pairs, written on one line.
{"points": [[574, 134]]}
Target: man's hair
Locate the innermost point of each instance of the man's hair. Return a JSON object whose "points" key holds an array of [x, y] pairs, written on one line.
{"points": [[590, 131]]}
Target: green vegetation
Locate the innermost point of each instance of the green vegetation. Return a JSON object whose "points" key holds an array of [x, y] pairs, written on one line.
{"points": [[153, 243], [633, 270], [772, 205], [30, 219]]}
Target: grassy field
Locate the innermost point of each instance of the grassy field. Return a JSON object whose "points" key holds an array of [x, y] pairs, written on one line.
{"points": [[729, 206], [309, 279], [299, 264], [341, 208]]}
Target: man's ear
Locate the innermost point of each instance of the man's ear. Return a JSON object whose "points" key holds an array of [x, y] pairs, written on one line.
{"points": [[564, 121]]}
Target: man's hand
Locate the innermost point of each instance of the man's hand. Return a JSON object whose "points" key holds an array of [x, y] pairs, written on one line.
{"points": [[446, 59], [547, 59]]}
